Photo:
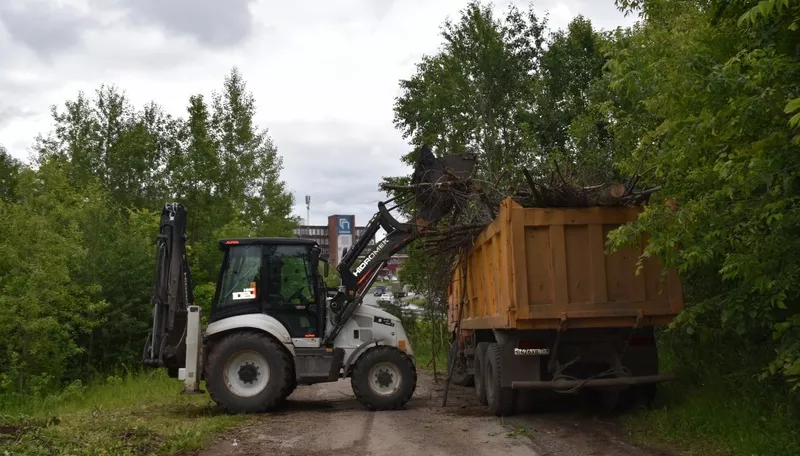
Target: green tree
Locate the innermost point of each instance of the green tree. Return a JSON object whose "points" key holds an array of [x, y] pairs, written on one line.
{"points": [[249, 163], [45, 309], [713, 91], [9, 172], [567, 121], [474, 94], [105, 138]]}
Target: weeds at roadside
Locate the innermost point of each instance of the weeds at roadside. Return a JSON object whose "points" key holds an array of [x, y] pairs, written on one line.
{"points": [[520, 431], [717, 407], [140, 414]]}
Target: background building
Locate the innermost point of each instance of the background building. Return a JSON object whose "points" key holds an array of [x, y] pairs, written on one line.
{"points": [[333, 238], [341, 233], [318, 233]]}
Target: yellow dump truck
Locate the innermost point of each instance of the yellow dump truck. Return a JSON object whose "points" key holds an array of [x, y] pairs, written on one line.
{"points": [[537, 304]]}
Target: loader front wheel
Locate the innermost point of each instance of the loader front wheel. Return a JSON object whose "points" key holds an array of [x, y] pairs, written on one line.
{"points": [[248, 372], [384, 378]]}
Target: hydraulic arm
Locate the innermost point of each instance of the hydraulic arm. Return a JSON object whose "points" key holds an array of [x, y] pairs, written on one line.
{"points": [[172, 294], [431, 206], [356, 283]]}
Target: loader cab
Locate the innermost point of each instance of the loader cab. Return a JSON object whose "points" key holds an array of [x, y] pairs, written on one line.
{"points": [[279, 277]]}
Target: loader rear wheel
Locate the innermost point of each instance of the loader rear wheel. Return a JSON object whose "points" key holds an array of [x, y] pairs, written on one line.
{"points": [[480, 378], [500, 400], [384, 378], [248, 372], [459, 375]]}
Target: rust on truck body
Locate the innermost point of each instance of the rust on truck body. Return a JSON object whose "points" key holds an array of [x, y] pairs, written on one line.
{"points": [[536, 268]]}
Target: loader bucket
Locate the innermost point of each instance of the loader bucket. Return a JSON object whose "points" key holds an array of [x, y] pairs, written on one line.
{"points": [[440, 183]]}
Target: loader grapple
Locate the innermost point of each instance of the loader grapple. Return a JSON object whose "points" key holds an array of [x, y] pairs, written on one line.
{"points": [[437, 181]]}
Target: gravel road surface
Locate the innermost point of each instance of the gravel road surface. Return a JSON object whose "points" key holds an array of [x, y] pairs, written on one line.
{"points": [[326, 419]]}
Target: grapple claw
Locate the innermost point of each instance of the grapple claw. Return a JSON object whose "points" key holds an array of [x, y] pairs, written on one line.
{"points": [[437, 183]]}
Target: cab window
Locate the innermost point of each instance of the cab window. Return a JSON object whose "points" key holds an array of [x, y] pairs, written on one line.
{"points": [[289, 276], [240, 276]]}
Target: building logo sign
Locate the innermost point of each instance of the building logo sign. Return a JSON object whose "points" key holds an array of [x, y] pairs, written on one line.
{"points": [[345, 224], [344, 233]]}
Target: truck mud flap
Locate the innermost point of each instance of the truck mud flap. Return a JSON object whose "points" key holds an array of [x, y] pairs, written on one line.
{"points": [[616, 381]]}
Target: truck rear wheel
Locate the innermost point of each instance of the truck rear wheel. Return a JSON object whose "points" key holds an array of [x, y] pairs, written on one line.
{"points": [[384, 378], [458, 375], [480, 378], [499, 399], [248, 372]]}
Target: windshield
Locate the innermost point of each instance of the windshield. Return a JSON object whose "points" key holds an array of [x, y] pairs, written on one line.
{"points": [[241, 275]]}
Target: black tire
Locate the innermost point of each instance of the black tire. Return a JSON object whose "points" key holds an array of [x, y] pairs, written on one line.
{"points": [[292, 386], [459, 375], [500, 401], [647, 394], [277, 359], [399, 362], [480, 378]]}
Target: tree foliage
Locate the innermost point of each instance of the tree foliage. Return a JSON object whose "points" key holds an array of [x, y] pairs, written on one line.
{"points": [[78, 224], [723, 146]]}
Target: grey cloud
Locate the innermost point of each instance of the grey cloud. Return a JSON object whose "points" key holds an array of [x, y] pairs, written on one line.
{"points": [[214, 23], [9, 114], [380, 8], [339, 184], [44, 27]]}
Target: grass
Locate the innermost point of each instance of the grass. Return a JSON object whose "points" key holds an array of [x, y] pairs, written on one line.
{"points": [[718, 407], [422, 341], [139, 414], [424, 355]]}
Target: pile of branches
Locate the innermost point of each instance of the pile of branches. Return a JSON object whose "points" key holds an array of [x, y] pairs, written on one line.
{"points": [[559, 193], [473, 204]]}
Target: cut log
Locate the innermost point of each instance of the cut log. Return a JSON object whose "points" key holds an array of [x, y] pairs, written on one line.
{"points": [[610, 196]]}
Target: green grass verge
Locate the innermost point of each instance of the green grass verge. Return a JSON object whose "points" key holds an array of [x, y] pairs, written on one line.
{"points": [[424, 355], [139, 414], [718, 407]]}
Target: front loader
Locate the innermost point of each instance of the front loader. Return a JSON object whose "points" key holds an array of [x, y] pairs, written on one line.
{"points": [[272, 324]]}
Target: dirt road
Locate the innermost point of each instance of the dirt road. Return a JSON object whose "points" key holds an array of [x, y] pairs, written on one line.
{"points": [[327, 420]]}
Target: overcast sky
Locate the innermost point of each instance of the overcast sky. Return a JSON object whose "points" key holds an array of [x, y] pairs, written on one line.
{"points": [[324, 73]]}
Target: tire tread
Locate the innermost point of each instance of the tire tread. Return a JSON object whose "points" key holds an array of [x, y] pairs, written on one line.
{"points": [[504, 403]]}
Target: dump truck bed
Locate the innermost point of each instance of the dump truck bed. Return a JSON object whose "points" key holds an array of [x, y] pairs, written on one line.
{"points": [[535, 268]]}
